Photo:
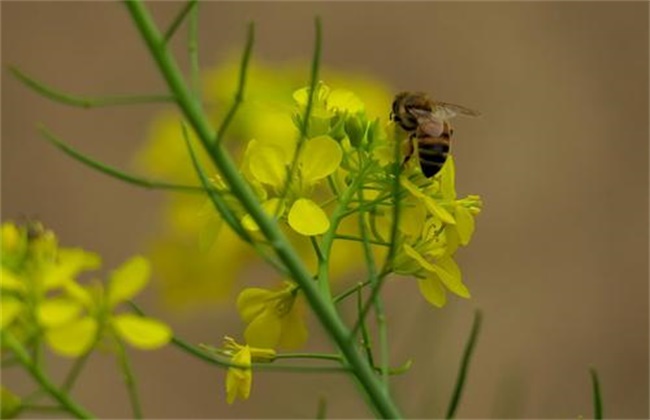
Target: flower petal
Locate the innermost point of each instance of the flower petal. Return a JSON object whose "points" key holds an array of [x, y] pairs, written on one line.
{"points": [[306, 218], [71, 261], [464, 224], [142, 332], [294, 331], [449, 273], [251, 302], [72, 339], [9, 281], [319, 158], [433, 291], [239, 381], [57, 311], [128, 280], [268, 165], [264, 330], [9, 309], [344, 100], [411, 252]]}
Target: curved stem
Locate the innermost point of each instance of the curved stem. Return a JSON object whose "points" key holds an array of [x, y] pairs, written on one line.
{"points": [[332, 323]]}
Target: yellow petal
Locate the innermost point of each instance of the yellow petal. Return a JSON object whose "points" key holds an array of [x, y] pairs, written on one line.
{"points": [[447, 181], [306, 218], [412, 218], [433, 291], [344, 100], [71, 262], [449, 273], [435, 208], [9, 281], [251, 302], [239, 381], [141, 332], [411, 252], [57, 311], [264, 330], [268, 165], [464, 224], [294, 331], [128, 280], [319, 158], [72, 339], [9, 310]]}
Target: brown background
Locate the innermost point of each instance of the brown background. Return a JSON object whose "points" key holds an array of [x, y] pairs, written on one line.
{"points": [[559, 263]]}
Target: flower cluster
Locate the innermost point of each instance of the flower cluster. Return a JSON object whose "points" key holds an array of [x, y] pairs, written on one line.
{"points": [[42, 297], [353, 161]]}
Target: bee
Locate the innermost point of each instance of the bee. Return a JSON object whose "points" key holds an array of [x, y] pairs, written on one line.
{"points": [[427, 123]]}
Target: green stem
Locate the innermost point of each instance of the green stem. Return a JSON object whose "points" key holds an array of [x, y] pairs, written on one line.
{"points": [[239, 94], [378, 303], [464, 366], [179, 19], [59, 395], [322, 356], [332, 323], [85, 102], [113, 172], [193, 50], [129, 379], [74, 372], [357, 239], [597, 397], [366, 344], [352, 290]]}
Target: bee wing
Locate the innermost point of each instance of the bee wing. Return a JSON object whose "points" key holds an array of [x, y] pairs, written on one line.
{"points": [[428, 122], [446, 110]]}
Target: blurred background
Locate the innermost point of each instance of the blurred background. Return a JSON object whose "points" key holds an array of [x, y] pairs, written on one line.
{"points": [[559, 260]]}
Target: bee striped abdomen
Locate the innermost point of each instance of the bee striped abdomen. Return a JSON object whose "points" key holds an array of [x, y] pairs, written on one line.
{"points": [[432, 152]]}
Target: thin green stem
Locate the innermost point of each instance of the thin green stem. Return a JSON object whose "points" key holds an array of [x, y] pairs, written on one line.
{"points": [[366, 344], [392, 249], [59, 395], [352, 290], [357, 239], [87, 102], [74, 372], [241, 85], [597, 397], [113, 172], [332, 323], [378, 303], [322, 356], [304, 123], [329, 236], [179, 19], [464, 366], [193, 50], [129, 379], [217, 200]]}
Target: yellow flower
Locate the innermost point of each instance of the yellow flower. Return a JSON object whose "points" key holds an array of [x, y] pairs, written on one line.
{"points": [[274, 318], [70, 334], [239, 380], [271, 165]]}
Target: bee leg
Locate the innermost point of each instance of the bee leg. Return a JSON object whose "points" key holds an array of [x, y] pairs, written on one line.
{"points": [[408, 149]]}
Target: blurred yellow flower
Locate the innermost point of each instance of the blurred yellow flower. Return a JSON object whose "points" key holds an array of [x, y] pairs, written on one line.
{"points": [[275, 318]]}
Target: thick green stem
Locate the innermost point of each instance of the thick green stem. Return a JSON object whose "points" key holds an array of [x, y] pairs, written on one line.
{"points": [[380, 400]]}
